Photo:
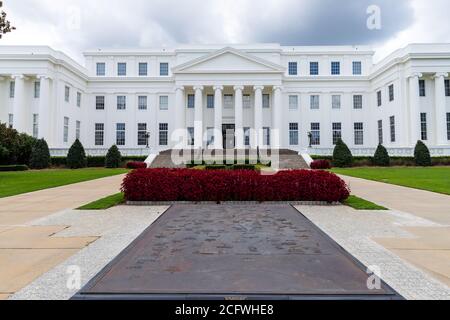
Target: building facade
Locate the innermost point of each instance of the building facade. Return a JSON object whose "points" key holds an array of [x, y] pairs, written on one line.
{"points": [[244, 96]]}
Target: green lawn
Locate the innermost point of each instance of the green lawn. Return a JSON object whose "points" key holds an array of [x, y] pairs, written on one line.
{"points": [[361, 204], [14, 183], [105, 203], [435, 179]]}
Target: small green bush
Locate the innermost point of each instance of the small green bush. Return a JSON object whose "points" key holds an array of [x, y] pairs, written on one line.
{"points": [[40, 155], [381, 157], [216, 167], [76, 158], [342, 156], [422, 155], [244, 167], [113, 158], [11, 168]]}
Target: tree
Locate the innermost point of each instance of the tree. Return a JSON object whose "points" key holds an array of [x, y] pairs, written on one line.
{"points": [[18, 146], [381, 157], [342, 156], [113, 158], [422, 155], [5, 25], [76, 158], [40, 155]]}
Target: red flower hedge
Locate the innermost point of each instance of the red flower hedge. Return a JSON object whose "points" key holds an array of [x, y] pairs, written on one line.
{"points": [[232, 185], [136, 165], [320, 165]]}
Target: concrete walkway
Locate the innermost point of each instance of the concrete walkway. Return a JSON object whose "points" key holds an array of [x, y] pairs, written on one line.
{"points": [[28, 251]]}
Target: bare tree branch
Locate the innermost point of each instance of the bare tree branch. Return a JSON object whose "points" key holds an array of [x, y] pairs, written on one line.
{"points": [[5, 25]]}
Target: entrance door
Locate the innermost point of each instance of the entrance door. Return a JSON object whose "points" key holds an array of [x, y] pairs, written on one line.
{"points": [[229, 140]]}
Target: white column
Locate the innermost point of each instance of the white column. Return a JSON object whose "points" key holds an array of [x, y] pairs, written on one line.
{"points": [[44, 108], [239, 117], [20, 114], [414, 108], [258, 116], [3, 105], [277, 112], [180, 116], [198, 124], [440, 112], [218, 114]]}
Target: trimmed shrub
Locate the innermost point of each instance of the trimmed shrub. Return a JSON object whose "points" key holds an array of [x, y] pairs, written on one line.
{"points": [[233, 185], [76, 158], [381, 157], [244, 167], [136, 165], [320, 165], [216, 167], [342, 156], [40, 155], [20, 167], [422, 155], [113, 157]]}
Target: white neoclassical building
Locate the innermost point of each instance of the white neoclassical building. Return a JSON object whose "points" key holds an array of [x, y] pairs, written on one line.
{"points": [[240, 96]]}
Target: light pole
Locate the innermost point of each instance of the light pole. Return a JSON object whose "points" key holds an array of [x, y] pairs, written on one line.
{"points": [[310, 139], [147, 138]]}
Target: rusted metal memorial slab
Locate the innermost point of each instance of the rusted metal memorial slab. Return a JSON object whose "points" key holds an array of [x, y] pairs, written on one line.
{"points": [[229, 251]]}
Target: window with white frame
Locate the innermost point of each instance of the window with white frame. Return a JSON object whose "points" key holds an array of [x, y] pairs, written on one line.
{"points": [[335, 68], [314, 68], [66, 130], [379, 99], [357, 68], [293, 102], [191, 136], [315, 134], [99, 134], [121, 69], [292, 68], [78, 99], [228, 101], [423, 126], [246, 136], [448, 125], [100, 103], [209, 136], [392, 125], [120, 134], [336, 101], [314, 102], [143, 69], [380, 132], [35, 125], [191, 101], [337, 132], [391, 93], [12, 89], [163, 103], [78, 130], [37, 89], [164, 69], [142, 103], [247, 101], [357, 101], [67, 94], [422, 88], [142, 134], [121, 102], [447, 88], [10, 120], [101, 69], [266, 136], [359, 133], [163, 134], [266, 101], [293, 134], [210, 101]]}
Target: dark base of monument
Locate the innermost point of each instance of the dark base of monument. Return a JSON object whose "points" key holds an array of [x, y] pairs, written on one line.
{"points": [[234, 252]]}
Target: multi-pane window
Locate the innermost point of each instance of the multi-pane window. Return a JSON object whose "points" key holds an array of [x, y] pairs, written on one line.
{"points": [[35, 125], [246, 136], [37, 89], [66, 130], [164, 69], [143, 69], [99, 134], [266, 101], [266, 136], [315, 134], [391, 93], [10, 120], [191, 101], [337, 132], [77, 130], [100, 102], [423, 126], [121, 69], [210, 101], [101, 69], [379, 99], [380, 131], [121, 102], [357, 101], [314, 68], [66, 93], [293, 68], [336, 101], [293, 134], [12, 89], [209, 136], [392, 125], [359, 133], [228, 101], [448, 126], [293, 102], [314, 102], [163, 134], [142, 102], [335, 68], [142, 134], [120, 134], [357, 68], [78, 99], [191, 136], [247, 101], [422, 88], [163, 103], [447, 88]]}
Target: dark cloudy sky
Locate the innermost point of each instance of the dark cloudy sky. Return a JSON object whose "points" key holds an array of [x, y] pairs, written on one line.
{"points": [[75, 25]]}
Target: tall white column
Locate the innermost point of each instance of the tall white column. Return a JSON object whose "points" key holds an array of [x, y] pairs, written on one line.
{"points": [[440, 111], [239, 117], [44, 108], [277, 112], [20, 114], [414, 108], [180, 116], [198, 124], [218, 115], [258, 116]]}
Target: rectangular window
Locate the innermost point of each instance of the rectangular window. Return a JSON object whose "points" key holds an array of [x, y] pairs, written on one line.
{"points": [[121, 102], [380, 131], [120, 134], [357, 68], [78, 99], [191, 101], [266, 136], [191, 136], [266, 101], [335, 68], [315, 134], [337, 132], [293, 102], [163, 103], [379, 99], [314, 102], [164, 69], [35, 125], [209, 136], [247, 136], [10, 120], [423, 126], [121, 69], [142, 134], [78, 130], [142, 102], [101, 69], [357, 101], [37, 89], [422, 88], [314, 68], [67, 94], [359, 133], [448, 126], [391, 93], [228, 101], [392, 125], [293, 68], [100, 103], [66, 130], [447, 88], [247, 101], [12, 89], [163, 134], [99, 134], [143, 69], [210, 101], [336, 101], [293, 134]]}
